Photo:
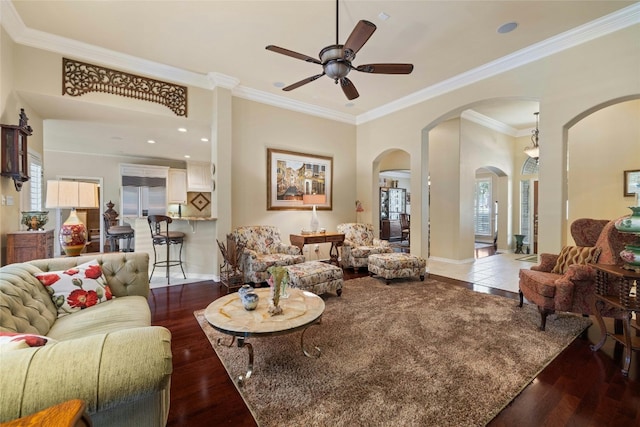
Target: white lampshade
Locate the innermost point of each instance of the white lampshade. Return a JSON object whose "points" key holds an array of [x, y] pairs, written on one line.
{"points": [[71, 194], [532, 152]]}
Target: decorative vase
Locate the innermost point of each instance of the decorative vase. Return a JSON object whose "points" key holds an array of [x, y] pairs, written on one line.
{"points": [[73, 235], [250, 300], [631, 224], [244, 289], [314, 220], [35, 220]]}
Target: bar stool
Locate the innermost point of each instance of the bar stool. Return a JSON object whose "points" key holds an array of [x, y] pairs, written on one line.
{"points": [[161, 236], [114, 233]]}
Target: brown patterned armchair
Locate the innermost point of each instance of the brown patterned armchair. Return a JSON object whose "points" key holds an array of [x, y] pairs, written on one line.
{"points": [[263, 249], [566, 282], [359, 243]]}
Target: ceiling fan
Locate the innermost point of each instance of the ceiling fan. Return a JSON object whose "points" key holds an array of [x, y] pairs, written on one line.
{"points": [[336, 59]]}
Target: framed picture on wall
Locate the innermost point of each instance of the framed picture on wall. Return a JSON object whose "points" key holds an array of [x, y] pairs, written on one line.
{"points": [[631, 182], [291, 176]]}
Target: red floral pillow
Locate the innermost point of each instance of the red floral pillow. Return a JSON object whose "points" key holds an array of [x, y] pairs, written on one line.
{"points": [[17, 340], [76, 288]]}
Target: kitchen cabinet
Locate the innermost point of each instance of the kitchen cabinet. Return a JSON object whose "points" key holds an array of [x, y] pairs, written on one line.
{"points": [[177, 193], [25, 246], [199, 176]]}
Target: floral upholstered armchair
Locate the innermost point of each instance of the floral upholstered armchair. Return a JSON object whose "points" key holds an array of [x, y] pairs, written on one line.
{"points": [[263, 249], [359, 243], [566, 282]]}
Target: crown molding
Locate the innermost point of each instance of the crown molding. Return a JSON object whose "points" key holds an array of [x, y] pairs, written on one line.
{"points": [[290, 104], [488, 122], [613, 22], [17, 30]]}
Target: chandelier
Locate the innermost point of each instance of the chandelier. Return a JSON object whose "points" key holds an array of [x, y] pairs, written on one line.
{"points": [[534, 149]]}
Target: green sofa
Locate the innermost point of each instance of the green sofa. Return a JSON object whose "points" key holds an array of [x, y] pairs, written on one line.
{"points": [[108, 355]]}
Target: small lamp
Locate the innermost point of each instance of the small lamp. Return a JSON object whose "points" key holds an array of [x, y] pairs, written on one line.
{"points": [[314, 199], [359, 209], [72, 195]]}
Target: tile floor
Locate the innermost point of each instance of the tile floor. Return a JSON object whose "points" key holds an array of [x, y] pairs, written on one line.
{"points": [[496, 271]]}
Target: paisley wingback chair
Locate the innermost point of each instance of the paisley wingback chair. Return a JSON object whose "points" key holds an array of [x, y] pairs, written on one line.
{"points": [[359, 243], [566, 282], [263, 249]]}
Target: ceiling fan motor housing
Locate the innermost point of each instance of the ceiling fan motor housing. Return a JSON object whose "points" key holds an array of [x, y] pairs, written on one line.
{"points": [[336, 61]]}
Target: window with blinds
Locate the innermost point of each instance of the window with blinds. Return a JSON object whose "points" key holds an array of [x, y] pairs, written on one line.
{"points": [[34, 196], [482, 208]]}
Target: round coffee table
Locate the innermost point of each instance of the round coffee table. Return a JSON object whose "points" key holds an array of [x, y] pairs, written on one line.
{"points": [[301, 310]]}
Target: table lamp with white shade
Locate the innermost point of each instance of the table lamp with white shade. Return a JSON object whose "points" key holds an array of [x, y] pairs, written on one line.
{"points": [[72, 195]]}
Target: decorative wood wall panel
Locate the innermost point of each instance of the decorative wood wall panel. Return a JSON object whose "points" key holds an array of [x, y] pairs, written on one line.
{"points": [[80, 78]]}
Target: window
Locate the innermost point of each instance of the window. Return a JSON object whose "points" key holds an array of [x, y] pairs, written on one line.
{"points": [[32, 193], [482, 207]]}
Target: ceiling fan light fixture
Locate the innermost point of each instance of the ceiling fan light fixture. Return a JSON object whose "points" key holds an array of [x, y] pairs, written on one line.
{"points": [[534, 149], [336, 69]]}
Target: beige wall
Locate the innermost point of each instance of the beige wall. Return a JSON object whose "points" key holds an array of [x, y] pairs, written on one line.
{"points": [[257, 127], [601, 147], [10, 105], [566, 84]]}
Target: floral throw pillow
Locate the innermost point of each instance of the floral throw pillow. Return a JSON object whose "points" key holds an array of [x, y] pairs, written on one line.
{"points": [[17, 340], [77, 288]]}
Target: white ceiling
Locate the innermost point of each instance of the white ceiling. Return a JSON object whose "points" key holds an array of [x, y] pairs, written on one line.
{"points": [[443, 39]]}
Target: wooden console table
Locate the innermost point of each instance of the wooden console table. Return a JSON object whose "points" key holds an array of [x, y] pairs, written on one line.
{"points": [[335, 239], [618, 288]]}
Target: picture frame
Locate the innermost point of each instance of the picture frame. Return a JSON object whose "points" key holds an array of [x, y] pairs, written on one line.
{"points": [[631, 182], [290, 175]]}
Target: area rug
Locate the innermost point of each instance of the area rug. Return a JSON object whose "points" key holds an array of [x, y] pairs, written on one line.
{"points": [[410, 353]]}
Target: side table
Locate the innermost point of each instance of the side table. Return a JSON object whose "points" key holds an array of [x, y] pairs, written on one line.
{"points": [[71, 413], [335, 239], [618, 288]]}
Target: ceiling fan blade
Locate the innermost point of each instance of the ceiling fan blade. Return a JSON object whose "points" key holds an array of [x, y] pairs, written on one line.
{"points": [[302, 82], [292, 54], [359, 36], [349, 89], [386, 68]]}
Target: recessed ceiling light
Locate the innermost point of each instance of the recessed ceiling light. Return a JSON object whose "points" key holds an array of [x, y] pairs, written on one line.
{"points": [[186, 156], [182, 129], [278, 84], [383, 16], [507, 28], [151, 141], [204, 139], [349, 104]]}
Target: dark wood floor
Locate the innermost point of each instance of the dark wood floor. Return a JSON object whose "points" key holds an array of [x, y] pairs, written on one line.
{"points": [[579, 388]]}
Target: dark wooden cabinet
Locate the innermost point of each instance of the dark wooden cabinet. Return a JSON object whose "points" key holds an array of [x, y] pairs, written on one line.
{"points": [[390, 230], [29, 245]]}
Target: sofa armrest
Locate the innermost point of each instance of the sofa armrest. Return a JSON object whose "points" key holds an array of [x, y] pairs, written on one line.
{"points": [[348, 243], [547, 262], [380, 242], [104, 370], [578, 273], [283, 248]]}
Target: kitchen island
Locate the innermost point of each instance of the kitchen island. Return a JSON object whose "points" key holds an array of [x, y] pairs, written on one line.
{"points": [[197, 253]]}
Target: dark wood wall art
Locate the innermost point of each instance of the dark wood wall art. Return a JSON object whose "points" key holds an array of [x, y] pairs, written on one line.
{"points": [[80, 78]]}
